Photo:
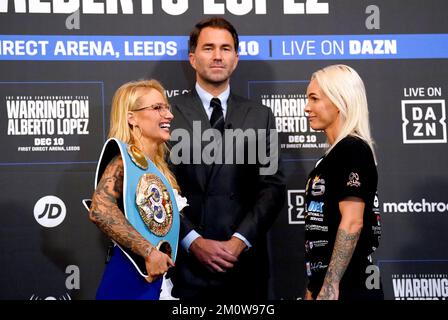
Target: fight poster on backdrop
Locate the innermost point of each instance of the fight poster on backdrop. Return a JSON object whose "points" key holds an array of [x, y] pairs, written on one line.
{"points": [[51, 122], [287, 100], [416, 280]]}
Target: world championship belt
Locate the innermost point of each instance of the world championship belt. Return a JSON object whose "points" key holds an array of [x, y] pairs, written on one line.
{"points": [[149, 202]]}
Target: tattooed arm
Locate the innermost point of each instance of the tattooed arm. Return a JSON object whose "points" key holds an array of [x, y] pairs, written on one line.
{"points": [[106, 214], [347, 236]]}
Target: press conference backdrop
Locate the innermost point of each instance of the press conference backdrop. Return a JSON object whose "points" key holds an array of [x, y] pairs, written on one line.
{"points": [[75, 54]]}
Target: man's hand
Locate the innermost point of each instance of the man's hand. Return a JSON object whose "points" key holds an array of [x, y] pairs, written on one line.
{"points": [[235, 246], [213, 254]]}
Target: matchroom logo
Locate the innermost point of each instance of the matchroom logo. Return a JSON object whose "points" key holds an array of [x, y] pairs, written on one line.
{"points": [[424, 121]]}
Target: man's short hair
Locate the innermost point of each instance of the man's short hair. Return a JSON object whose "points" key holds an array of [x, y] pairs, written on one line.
{"points": [[215, 22]]}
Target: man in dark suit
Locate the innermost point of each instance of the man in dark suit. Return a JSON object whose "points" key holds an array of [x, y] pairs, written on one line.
{"points": [[234, 194]]}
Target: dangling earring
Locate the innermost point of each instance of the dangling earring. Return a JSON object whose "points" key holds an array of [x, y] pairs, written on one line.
{"points": [[137, 156]]}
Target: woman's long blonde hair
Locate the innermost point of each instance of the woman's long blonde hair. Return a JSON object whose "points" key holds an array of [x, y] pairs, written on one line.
{"points": [[127, 98], [345, 88]]}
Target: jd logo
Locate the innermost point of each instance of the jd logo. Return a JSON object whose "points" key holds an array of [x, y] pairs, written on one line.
{"points": [[49, 211], [53, 210]]}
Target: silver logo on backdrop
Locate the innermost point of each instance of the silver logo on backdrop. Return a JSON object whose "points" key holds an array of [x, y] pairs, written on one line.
{"points": [[296, 206]]}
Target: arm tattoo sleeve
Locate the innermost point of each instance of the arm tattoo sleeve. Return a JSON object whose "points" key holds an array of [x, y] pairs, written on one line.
{"points": [[107, 215], [342, 253]]}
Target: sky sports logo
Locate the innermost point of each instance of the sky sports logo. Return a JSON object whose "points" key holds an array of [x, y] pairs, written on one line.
{"points": [[421, 206]]}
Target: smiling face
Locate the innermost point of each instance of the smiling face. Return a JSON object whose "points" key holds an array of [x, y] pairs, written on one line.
{"points": [[154, 124], [214, 58], [321, 111]]}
